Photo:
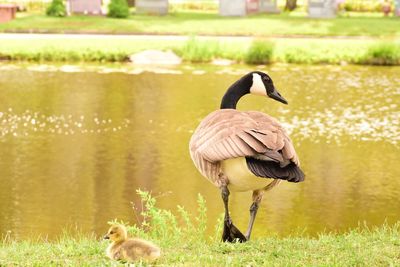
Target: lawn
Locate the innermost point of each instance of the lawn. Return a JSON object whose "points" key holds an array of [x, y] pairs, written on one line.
{"points": [[209, 23], [183, 241], [362, 34], [378, 247]]}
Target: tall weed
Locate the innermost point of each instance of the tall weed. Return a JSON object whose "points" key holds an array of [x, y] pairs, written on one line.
{"points": [[195, 50], [297, 55], [382, 54], [260, 52], [167, 228]]}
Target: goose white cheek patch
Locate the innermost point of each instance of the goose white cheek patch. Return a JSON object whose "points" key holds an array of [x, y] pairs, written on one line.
{"points": [[258, 87]]}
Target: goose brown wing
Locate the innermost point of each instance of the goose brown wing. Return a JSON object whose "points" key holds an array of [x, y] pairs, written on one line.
{"points": [[229, 133]]}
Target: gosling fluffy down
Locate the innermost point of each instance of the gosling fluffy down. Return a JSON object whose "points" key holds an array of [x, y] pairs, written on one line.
{"points": [[129, 249]]}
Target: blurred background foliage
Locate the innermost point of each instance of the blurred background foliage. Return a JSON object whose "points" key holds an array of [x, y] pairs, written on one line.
{"points": [[212, 5]]}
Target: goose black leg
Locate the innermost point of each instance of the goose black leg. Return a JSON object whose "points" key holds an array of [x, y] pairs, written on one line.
{"points": [[257, 197], [231, 233]]}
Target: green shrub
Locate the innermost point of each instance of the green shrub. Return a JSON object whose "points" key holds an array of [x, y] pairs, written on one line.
{"points": [[382, 54], [260, 52], [56, 9], [199, 51], [363, 6], [118, 9]]}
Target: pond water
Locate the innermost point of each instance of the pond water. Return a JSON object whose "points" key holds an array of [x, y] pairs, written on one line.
{"points": [[76, 143]]}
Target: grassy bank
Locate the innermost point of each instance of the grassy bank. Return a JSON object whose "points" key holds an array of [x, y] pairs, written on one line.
{"points": [[208, 23], [379, 247], [184, 243], [242, 50]]}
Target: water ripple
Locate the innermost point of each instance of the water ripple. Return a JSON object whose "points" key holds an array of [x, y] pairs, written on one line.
{"points": [[352, 121], [30, 122]]}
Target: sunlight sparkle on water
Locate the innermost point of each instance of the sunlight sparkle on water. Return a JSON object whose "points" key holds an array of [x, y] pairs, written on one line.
{"points": [[353, 122], [30, 122]]}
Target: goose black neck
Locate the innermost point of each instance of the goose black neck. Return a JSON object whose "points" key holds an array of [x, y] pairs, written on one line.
{"points": [[235, 92]]}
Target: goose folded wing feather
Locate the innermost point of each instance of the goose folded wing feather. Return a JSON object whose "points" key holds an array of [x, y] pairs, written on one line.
{"points": [[245, 134]]}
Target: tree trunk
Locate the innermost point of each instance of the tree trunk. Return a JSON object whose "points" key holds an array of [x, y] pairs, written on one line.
{"points": [[290, 5], [131, 3]]}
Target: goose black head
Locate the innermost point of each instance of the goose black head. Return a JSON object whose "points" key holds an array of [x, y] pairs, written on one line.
{"points": [[262, 84], [257, 83]]}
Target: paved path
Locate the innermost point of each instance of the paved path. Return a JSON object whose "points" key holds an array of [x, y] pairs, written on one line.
{"points": [[27, 36]]}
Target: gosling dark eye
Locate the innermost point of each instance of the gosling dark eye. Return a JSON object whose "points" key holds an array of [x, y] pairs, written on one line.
{"points": [[111, 232]]}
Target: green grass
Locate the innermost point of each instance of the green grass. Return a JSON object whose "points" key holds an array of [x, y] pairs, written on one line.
{"points": [[195, 50], [260, 52], [208, 23], [286, 50], [73, 50], [382, 54], [183, 241]]}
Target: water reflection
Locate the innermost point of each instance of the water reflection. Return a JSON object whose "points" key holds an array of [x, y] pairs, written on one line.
{"points": [[76, 142]]}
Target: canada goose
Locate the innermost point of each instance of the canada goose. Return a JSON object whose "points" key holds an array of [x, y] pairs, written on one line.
{"points": [[129, 249], [238, 150]]}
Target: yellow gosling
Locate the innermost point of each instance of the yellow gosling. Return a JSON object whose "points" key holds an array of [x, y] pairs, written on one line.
{"points": [[129, 249]]}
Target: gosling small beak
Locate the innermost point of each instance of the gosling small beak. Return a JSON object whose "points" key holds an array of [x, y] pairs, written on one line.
{"points": [[277, 96], [106, 237]]}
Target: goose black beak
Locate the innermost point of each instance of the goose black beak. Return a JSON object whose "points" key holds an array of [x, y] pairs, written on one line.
{"points": [[277, 96], [106, 237]]}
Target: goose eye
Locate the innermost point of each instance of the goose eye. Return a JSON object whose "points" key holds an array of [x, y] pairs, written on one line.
{"points": [[111, 232], [265, 78]]}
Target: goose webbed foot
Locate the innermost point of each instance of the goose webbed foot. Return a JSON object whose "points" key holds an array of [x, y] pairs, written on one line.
{"points": [[231, 233]]}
